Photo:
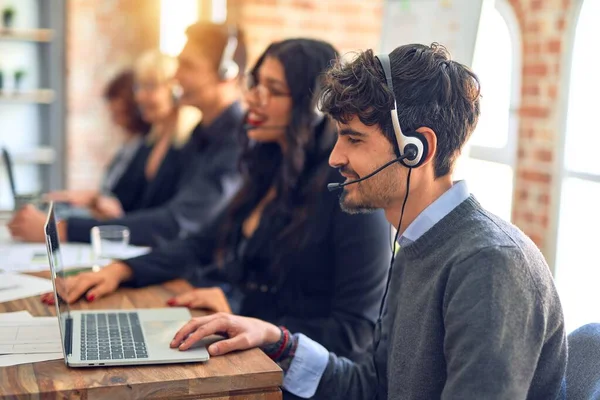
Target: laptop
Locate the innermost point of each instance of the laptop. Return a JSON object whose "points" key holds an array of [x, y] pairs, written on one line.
{"points": [[9, 171], [116, 337], [62, 209]]}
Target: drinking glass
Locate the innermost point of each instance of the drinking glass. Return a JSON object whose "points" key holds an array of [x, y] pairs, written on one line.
{"points": [[108, 243]]}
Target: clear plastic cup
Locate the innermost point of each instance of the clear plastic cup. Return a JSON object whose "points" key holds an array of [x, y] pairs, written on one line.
{"points": [[109, 242]]}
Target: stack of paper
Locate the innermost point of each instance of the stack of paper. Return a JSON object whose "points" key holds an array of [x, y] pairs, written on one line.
{"points": [[25, 339], [27, 257], [18, 286]]}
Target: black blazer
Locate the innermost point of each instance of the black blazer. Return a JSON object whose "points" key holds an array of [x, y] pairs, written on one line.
{"points": [[160, 189], [209, 178], [130, 187], [136, 192], [330, 289]]}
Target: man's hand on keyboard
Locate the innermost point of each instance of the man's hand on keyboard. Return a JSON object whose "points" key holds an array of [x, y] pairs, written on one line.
{"points": [[241, 332]]}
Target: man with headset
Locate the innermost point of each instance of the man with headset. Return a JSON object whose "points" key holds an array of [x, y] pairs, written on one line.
{"points": [[210, 64], [471, 311]]}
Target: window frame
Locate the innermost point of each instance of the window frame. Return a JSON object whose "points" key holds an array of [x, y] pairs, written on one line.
{"points": [[560, 172], [507, 154]]}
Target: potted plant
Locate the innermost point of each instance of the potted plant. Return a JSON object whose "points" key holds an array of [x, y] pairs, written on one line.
{"points": [[19, 75], [8, 17]]}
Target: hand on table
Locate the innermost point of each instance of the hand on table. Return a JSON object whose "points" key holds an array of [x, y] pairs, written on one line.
{"points": [[206, 298], [28, 225], [92, 285], [48, 298], [105, 207], [77, 198], [242, 333]]}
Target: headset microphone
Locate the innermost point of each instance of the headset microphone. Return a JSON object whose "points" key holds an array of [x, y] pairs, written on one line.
{"points": [[176, 93], [408, 154]]}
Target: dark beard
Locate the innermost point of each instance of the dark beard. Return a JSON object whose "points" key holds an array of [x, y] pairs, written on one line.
{"points": [[352, 208]]}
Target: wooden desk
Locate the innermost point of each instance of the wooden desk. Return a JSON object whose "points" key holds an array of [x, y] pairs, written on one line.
{"points": [[244, 375]]}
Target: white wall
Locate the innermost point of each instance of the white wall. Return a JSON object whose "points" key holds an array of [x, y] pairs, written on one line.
{"points": [[453, 23]]}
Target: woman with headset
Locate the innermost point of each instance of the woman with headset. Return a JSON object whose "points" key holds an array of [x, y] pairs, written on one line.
{"points": [[283, 251], [148, 180]]}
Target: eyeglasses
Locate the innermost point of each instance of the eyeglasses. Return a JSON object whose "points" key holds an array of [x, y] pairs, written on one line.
{"points": [[260, 93], [149, 85], [146, 86]]}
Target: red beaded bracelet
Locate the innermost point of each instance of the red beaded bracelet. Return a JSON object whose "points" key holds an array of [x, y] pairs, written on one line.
{"points": [[286, 338]]}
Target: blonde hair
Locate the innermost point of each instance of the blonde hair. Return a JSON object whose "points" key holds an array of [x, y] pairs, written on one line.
{"points": [[163, 67], [158, 64]]}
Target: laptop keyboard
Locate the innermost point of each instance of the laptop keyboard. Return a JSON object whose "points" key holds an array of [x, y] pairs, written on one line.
{"points": [[112, 336]]}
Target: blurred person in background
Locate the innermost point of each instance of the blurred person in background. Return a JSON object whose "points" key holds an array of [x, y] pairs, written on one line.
{"points": [[157, 97], [209, 71], [123, 177], [283, 251]]}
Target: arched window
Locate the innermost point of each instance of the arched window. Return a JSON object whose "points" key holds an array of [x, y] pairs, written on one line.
{"points": [[174, 20], [487, 162], [578, 239]]}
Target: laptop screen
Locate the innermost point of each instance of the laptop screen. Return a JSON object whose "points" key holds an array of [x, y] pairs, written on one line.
{"points": [[57, 274], [9, 172]]}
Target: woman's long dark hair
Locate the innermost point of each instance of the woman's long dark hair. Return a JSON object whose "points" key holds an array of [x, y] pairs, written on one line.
{"points": [[121, 87], [300, 174]]}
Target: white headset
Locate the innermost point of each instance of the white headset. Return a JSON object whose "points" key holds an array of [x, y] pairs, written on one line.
{"points": [[414, 139], [228, 68]]}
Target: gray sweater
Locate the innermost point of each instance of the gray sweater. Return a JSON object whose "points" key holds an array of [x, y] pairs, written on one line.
{"points": [[472, 313]]}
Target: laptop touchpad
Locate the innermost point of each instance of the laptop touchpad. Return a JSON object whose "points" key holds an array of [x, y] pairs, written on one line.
{"points": [[164, 332], [161, 331]]}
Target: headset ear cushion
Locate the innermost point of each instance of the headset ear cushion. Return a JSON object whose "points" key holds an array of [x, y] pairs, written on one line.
{"points": [[421, 155], [229, 70], [175, 94]]}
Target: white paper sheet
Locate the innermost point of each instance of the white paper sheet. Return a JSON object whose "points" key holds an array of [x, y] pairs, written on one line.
{"points": [[5, 216], [4, 234], [35, 335], [22, 286], [7, 283], [38, 340], [30, 348], [20, 257], [16, 359], [28, 257], [15, 316]]}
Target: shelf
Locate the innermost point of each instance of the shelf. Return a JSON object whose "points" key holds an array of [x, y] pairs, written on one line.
{"points": [[27, 35], [41, 96]]}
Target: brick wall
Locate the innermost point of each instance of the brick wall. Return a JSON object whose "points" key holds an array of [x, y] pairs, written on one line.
{"points": [[348, 25], [544, 31], [102, 37]]}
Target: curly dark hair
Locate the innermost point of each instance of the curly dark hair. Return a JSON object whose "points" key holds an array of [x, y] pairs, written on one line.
{"points": [[301, 173], [431, 90], [122, 87]]}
